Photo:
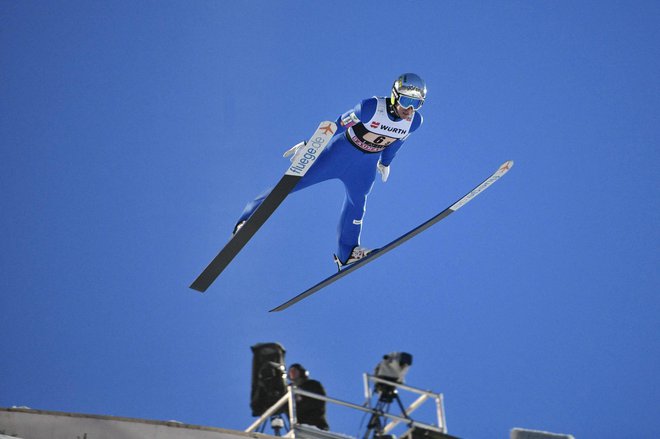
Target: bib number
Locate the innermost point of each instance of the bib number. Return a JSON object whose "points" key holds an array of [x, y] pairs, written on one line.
{"points": [[378, 139]]}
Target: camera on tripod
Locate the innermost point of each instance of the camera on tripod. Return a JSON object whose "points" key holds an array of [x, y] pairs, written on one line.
{"points": [[393, 367]]}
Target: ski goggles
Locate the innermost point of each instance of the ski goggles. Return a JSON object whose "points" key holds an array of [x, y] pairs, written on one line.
{"points": [[408, 102]]}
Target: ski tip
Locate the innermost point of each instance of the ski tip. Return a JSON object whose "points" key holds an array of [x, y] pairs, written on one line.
{"points": [[326, 124], [505, 166]]}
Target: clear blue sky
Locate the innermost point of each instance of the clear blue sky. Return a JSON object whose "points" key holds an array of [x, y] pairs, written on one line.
{"points": [[133, 133]]}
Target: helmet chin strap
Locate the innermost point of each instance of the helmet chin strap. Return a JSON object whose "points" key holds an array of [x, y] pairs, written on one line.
{"points": [[391, 107]]}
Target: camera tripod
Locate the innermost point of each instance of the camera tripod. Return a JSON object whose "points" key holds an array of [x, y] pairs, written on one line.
{"points": [[377, 421]]}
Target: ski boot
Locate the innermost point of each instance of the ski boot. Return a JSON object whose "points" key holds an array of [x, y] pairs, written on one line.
{"points": [[238, 226], [356, 254]]}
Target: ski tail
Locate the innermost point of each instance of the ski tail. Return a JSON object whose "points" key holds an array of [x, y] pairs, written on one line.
{"points": [[244, 234], [304, 159]]}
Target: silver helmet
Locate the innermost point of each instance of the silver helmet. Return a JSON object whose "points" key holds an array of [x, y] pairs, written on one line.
{"points": [[409, 90]]}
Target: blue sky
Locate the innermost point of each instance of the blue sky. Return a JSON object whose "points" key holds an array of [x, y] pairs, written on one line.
{"points": [[133, 133]]}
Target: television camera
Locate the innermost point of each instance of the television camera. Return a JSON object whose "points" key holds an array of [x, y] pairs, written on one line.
{"points": [[268, 381], [393, 367]]}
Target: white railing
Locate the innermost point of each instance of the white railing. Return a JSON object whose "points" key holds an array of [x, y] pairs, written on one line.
{"points": [[393, 420]]}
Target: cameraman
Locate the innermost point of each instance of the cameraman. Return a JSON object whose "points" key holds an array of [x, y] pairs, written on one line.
{"points": [[309, 411]]}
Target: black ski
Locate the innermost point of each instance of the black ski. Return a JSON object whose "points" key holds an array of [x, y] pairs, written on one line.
{"points": [[300, 164], [400, 240]]}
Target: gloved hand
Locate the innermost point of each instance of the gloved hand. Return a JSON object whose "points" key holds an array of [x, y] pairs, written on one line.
{"points": [[383, 170], [293, 150]]}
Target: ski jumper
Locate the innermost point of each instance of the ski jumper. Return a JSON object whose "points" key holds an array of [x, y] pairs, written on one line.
{"points": [[365, 134]]}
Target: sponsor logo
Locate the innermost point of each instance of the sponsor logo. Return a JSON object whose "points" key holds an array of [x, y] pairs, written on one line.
{"points": [[476, 191], [375, 124], [357, 222], [327, 129], [305, 158], [393, 129]]}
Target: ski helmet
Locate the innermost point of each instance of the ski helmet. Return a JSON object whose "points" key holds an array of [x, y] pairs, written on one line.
{"points": [[409, 90]]}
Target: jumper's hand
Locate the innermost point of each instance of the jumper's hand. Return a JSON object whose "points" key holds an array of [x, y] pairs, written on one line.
{"points": [[383, 170], [293, 150]]}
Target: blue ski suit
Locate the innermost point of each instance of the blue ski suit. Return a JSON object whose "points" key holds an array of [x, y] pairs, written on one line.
{"points": [[365, 134]]}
